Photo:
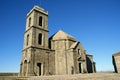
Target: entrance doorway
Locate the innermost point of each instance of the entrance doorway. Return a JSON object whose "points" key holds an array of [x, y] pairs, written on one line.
{"points": [[39, 69], [80, 70], [25, 68]]}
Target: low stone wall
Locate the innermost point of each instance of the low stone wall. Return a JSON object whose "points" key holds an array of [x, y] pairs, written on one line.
{"points": [[8, 76]]}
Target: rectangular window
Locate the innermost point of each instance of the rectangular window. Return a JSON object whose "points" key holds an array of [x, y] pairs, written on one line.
{"points": [[40, 39], [40, 21]]}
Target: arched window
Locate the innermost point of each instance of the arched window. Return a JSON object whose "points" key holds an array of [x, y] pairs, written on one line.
{"points": [[40, 21], [27, 40], [40, 38], [29, 22]]}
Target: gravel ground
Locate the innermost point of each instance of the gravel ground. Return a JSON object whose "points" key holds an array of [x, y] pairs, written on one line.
{"points": [[94, 76]]}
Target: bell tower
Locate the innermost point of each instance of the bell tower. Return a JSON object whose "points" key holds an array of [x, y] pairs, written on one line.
{"points": [[36, 34], [35, 43]]}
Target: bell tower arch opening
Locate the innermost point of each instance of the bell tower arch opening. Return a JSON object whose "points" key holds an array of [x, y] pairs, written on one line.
{"points": [[40, 21], [40, 39]]}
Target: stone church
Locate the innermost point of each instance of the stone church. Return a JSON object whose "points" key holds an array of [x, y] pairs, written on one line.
{"points": [[58, 55], [116, 62]]}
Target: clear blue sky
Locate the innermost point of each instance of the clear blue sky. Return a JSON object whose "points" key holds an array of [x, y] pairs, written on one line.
{"points": [[95, 23]]}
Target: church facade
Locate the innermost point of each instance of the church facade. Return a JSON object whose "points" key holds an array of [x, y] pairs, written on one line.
{"points": [[58, 55]]}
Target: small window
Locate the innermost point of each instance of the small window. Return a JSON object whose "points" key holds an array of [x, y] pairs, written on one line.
{"points": [[27, 40], [29, 23], [40, 39], [40, 21]]}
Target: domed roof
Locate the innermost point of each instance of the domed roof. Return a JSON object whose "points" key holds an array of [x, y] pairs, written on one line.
{"points": [[62, 35]]}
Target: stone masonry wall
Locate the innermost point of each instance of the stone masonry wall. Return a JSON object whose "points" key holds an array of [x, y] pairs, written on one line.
{"points": [[117, 61]]}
